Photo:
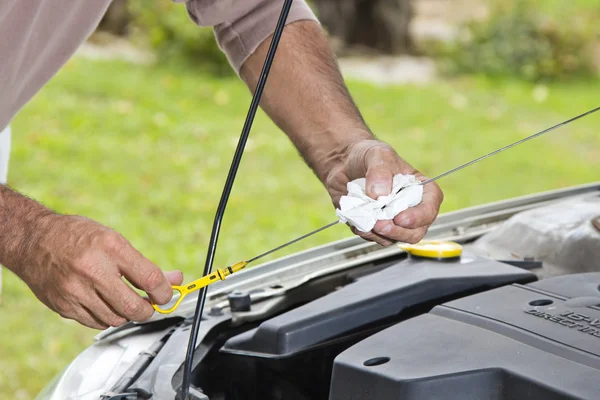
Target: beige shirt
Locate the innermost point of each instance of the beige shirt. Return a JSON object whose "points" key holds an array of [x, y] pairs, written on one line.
{"points": [[37, 37]]}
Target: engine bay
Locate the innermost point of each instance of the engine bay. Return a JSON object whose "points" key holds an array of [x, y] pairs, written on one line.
{"points": [[521, 326], [292, 355], [517, 315]]}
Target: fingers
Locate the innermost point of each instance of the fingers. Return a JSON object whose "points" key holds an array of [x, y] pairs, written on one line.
{"points": [[386, 233], [116, 303], [423, 214], [83, 275], [81, 302], [391, 232], [410, 226], [138, 270], [146, 276], [87, 318], [125, 301], [174, 277], [372, 237], [104, 312]]}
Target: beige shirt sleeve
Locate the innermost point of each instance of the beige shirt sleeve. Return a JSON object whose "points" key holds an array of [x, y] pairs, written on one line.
{"points": [[242, 25]]}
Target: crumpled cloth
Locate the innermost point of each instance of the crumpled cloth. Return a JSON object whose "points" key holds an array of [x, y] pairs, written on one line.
{"points": [[362, 212]]}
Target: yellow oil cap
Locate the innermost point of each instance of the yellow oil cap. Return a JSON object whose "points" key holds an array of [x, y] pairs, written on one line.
{"points": [[433, 249]]}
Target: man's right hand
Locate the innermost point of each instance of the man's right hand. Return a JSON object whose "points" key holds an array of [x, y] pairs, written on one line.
{"points": [[77, 271]]}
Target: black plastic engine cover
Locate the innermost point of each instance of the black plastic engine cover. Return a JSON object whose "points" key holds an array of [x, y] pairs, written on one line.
{"points": [[535, 342], [370, 299]]}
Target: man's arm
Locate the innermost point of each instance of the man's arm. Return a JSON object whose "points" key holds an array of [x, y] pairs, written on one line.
{"points": [[18, 219], [306, 96], [75, 265]]}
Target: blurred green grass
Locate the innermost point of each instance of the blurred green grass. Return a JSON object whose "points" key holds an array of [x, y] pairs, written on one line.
{"points": [[146, 150]]}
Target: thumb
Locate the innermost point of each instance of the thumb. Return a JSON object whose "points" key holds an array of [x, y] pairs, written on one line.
{"points": [[174, 277], [379, 176]]}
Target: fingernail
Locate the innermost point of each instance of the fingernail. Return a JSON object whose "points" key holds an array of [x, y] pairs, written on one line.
{"points": [[173, 274], [405, 222], [379, 189]]}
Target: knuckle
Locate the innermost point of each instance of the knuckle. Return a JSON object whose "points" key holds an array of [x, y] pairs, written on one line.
{"points": [[412, 240], [331, 180], [62, 300], [91, 323], [148, 311], [133, 308], [414, 237], [116, 321], [418, 235], [435, 212], [64, 310], [378, 149], [411, 221], [426, 217], [440, 193], [152, 280], [78, 315], [437, 196], [62, 292], [378, 169], [95, 270], [367, 236], [70, 316], [399, 237], [114, 242]]}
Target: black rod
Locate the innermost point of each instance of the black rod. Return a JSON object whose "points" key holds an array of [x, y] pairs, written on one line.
{"points": [[266, 253], [187, 371]]}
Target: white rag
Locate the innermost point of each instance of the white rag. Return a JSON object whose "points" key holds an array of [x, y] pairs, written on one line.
{"points": [[363, 212]]}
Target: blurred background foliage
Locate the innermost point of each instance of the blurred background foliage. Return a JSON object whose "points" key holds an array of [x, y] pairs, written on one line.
{"points": [[166, 29], [520, 40], [534, 40]]}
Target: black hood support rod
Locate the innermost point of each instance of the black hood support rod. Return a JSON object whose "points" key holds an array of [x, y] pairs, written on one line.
{"points": [[187, 371]]}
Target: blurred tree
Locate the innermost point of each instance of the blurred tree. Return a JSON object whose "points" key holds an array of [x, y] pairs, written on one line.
{"points": [[117, 18], [168, 29], [382, 25], [520, 41]]}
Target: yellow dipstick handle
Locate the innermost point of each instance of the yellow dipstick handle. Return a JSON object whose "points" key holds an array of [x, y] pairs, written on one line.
{"points": [[184, 290]]}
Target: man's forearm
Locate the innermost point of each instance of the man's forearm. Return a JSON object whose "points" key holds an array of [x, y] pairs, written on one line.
{"points": [[306, 96], [20, 219]]}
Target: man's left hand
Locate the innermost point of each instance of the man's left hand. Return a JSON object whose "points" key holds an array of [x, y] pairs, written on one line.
{"points": [[378, 162]]}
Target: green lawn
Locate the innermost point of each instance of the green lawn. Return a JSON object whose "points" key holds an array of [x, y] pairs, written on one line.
{"points": [[145, 150]]}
